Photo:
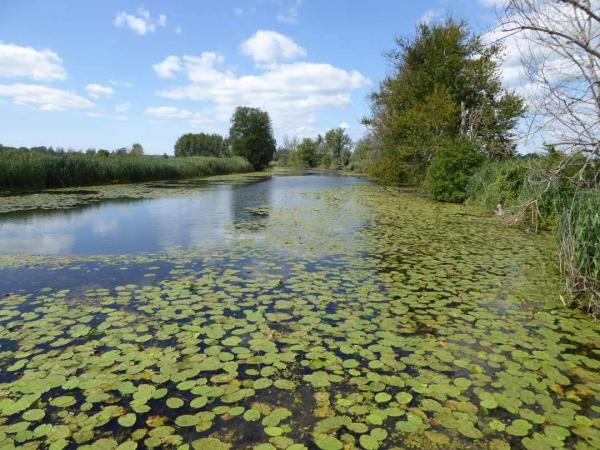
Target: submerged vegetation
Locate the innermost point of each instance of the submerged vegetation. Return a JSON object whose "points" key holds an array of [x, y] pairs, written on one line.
{"points": [[27, 169], [348, 322]]}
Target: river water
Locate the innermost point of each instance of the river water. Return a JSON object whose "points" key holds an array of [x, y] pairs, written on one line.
{"points": [[284, 311]]}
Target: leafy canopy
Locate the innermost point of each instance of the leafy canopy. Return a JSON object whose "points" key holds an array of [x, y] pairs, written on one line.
{"points": [[445, 84], [251, 136], [201, 144]]}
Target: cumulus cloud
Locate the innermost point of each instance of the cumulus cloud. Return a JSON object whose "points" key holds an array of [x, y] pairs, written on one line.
{"points": [[291, 92], [267, 47], [28, 62], [96, 90], [168, 67], [43, 97], [141, 22]]}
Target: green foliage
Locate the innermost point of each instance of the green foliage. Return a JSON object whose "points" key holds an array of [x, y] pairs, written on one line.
{"points": [[333, 151], [251, 136], [136, 150], [445, 85], [502, 182], [201, 144], [23, 169], [337, 147], [578, 228], [307, 153], [450, 170]]}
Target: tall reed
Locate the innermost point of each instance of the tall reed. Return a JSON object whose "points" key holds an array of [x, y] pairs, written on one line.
{"points": [[21, 169]]}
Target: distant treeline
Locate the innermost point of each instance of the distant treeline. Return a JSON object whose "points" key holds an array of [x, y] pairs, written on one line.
{"points": [[250, 146], [135, 150], [332, 151], [250, 136]]}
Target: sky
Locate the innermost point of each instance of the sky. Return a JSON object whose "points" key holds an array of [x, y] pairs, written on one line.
{"points": [[107, 73]]}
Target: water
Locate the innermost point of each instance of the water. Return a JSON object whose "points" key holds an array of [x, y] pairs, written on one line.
{"points": [[125, 226], [300, 312]]}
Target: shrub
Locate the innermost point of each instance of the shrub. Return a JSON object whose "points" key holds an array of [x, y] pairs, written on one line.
{"points": [[450, 170], [498, 182]]}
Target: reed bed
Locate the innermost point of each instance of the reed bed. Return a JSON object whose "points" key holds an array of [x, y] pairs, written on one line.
{"points": [[30, 170]]}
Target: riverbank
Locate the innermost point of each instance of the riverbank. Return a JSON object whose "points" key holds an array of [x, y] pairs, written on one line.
{"points": [[31, 170]]}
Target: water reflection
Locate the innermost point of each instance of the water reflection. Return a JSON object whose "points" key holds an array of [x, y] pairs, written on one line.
{"points": [[131, 226]]}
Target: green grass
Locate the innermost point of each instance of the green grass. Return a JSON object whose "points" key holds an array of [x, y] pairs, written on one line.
{"points": [[24, 170]]}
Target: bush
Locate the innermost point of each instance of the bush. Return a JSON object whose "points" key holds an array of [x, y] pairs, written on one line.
{"points": [[498, 182], [450, 170], [578, 229]]}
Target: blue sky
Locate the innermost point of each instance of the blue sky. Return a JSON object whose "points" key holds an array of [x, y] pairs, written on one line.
{"points": [[107, 73]]}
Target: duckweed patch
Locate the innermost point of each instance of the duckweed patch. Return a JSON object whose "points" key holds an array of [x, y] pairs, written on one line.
{"points": [[365, 319]]}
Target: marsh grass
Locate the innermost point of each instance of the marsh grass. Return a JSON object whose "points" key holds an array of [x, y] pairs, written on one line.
{"points": [[520, 186], [578, 229], [39, 170]]}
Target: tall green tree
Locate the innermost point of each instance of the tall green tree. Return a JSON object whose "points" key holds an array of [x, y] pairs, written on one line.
{"points": [[251, 136], [137, 150], [445, 85], [306, 153], [337, 147]]}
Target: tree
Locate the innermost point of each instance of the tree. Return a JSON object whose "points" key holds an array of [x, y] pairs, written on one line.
{"points": [[287, 151], [337, 146], [559, 42], [451, 168], [137, 150], [445, 84], [251, 136], [306, 154], [201, 144]]}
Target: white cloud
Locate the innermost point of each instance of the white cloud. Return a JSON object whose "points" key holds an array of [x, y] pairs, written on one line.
{"points": [[290, 15], [43, 97], [141, 22], [96, 90], [344, 125], [267, 47], [291, 93], [238, 11], [178, 29], [123, 118], [123, 107], [27, 62], [168, 67], [168, 112]]}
